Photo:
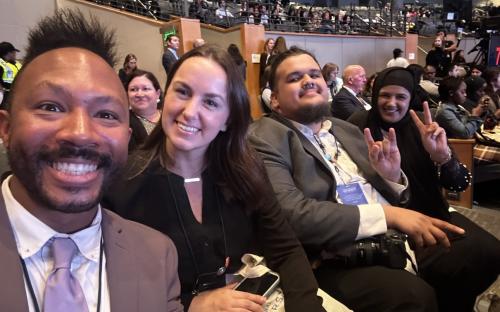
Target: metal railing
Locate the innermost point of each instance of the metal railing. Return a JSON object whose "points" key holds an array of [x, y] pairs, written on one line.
{"points": [[354, 20]]}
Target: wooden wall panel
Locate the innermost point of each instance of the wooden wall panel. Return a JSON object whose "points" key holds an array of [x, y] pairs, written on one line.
{"points": [[252, 38]]}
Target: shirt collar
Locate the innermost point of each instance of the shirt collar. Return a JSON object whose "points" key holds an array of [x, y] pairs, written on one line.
{"points": [[350, 90], [326, 125], [173, 51], [31, 234]]}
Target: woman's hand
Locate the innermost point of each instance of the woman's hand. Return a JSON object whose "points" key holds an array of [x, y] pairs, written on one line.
{"points": [[384, 155], [227, 299], [433, 136]]}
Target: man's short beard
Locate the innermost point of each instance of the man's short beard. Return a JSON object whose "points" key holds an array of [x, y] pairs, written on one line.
{"points": [[27, 169], [312, 113]]}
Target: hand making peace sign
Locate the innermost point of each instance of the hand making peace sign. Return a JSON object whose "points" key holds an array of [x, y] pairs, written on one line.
{"points": [[432, 135]]}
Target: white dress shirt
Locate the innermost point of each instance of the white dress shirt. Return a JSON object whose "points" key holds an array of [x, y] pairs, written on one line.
{"points": [[398, 62], [33, 240], [372, 217]]}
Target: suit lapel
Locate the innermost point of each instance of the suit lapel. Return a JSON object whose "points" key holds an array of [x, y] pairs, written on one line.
{"points": [[308, 146], [355, 99], [121, 267], [357, 152], [12, 290]]}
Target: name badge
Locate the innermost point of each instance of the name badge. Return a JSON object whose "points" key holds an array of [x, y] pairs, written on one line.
{"points": [[351, 194]]}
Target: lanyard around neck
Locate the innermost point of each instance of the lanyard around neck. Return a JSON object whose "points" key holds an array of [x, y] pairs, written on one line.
{"points": [[221, 270]]}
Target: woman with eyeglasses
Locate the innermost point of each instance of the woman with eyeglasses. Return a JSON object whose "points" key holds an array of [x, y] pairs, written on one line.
{"points": [[198, 181]]}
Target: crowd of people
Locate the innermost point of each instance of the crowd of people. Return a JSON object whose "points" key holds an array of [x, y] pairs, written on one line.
{"points": [[122, 196], [295, 16]]}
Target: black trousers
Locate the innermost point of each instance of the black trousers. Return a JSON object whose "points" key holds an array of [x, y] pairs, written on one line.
{"points": [[449, 280], [377, 288], [460, 274]]}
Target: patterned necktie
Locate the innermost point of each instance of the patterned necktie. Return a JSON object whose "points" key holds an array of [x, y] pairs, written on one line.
{"points": [[62, 291]]}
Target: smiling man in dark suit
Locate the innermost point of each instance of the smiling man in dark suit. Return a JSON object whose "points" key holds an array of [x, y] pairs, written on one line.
{"points": [[335, 190], [66, 133], [349, 100]]}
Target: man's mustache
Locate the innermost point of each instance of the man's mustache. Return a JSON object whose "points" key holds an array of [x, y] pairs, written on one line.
{"points": [[308, 86], [73, 151]]}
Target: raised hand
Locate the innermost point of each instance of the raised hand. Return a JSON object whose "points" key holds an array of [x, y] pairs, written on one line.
{"points": [[227, 299], [432, 135], [384, 155]]}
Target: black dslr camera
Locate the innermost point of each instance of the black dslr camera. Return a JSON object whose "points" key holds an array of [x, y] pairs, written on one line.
{"points": [[385, 249]]}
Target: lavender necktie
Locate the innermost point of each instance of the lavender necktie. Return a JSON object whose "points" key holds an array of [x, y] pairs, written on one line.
{"points": [[62, 291]]}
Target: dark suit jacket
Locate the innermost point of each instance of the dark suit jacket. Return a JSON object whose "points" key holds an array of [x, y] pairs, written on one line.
{"points": [[168, 60], [344, 104], [141, 267], [305, 185]]}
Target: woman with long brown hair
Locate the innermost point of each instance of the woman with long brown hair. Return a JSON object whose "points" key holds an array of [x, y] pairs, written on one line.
{"points": [[264, 58], [198, 181], [129, 66], [279, 47]]}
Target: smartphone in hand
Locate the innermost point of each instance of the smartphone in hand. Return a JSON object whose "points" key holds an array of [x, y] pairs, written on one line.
{"points": [[263, 285]]}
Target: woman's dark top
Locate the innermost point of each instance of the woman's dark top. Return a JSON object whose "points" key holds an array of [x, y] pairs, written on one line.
{"points": [[423, 177], [139, 133], [262, 66], [157, 198], [123, 76], [440, 60]]}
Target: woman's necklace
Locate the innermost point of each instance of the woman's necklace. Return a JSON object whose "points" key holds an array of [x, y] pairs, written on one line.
{"points": [[194, 177], [148, 124], [155, 117]]}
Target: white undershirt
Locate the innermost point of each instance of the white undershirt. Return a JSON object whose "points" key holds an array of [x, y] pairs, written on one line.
{"points": [[372, 217], [33, 241]]}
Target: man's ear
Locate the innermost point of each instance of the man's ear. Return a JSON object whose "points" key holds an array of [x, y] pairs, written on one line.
{"points": [[5, 127], [275, 105]]}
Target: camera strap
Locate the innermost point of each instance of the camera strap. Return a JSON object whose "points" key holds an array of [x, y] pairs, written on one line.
{"points": [[412, 261]]}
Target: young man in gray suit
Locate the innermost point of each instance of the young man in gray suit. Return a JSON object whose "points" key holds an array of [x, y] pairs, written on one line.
{"points": [[335, 190], [66, 133]]}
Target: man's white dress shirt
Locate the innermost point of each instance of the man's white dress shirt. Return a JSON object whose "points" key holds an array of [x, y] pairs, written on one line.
{"points": [[33, 240]]}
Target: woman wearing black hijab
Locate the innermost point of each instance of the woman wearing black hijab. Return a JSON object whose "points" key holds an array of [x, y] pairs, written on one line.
{"points": [[388, 113], [458, 275]]}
